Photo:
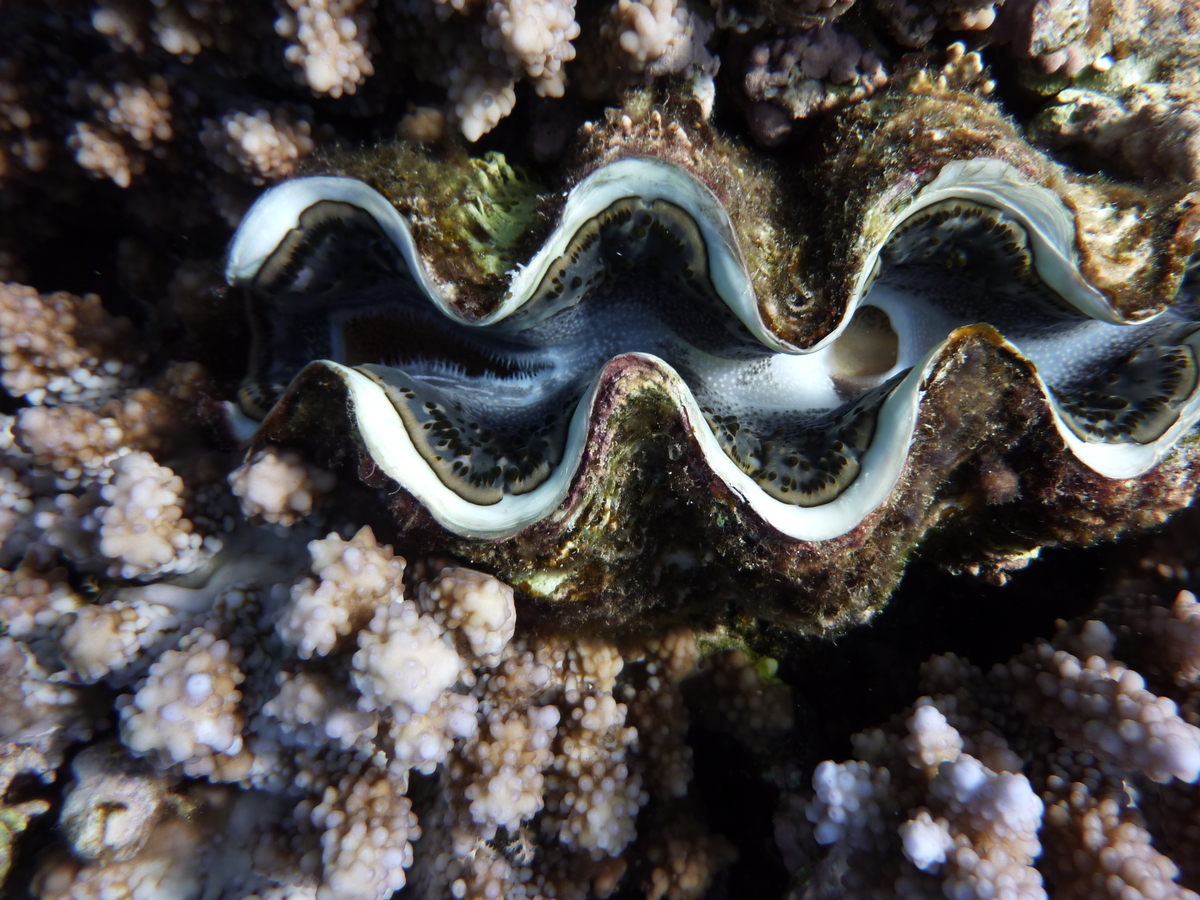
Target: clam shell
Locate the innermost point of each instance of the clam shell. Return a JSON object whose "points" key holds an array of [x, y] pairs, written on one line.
{"points": [[645, 480]]}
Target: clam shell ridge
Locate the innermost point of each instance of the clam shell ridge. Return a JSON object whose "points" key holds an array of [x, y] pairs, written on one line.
{"points": [[1112, 391]]}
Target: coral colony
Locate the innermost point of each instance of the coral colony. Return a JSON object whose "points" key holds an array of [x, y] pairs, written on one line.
{"points": [[493, 403]]}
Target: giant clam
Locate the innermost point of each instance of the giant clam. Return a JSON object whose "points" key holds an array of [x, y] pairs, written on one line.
{"points": [[686, 378]]}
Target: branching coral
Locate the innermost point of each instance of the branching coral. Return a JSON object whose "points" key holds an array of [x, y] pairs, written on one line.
{"points": [[332, 43], [143, 525], [472, 605], [102, 638], [319, 697], [356, 578], [128, 120], [186, 710], [521, 746], [534, 36], [279, 486], [743, 697], [59, 348], [19, 115], [1102, 707], [592, 797], [1025, 775], [1066, 37], [38, 713], [182, 28], [383, 725], [494, 48], [368, 827], [639, 41], [171, 863], [265, 145], [404, 661], [33, 603]]}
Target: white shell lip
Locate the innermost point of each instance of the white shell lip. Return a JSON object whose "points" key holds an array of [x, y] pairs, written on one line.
{"points": [[1048, 221], [993, 182], [392, 450], [1131, 460], [278, 211]]}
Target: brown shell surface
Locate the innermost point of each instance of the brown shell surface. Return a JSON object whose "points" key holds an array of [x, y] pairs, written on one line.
{"points": [[805, 228], [647, 528]]}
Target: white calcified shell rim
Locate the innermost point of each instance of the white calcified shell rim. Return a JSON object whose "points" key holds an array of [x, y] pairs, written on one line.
{"points": [[391, 448], [1131, 459], [1047, 220], [278, 211]]}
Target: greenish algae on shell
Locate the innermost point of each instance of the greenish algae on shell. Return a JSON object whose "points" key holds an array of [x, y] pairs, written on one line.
{"points": [[647, 526], [473, 218], [1133, 244]]}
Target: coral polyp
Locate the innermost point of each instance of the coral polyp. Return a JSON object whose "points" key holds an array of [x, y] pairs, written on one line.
{"points": [[651, 377]]}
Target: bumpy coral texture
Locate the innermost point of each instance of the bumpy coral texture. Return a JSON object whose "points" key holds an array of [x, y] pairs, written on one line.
{"points": [[534, 35], [128, 120], [187, 708], [265, 145], [594, 806], [474, 605], [169, 862], [279, 486], [404, 661], [143, 526], [554, 762], [38, 713], [103, 638], [268, 721], [1023, 777], [356, 578], [331, 48], [60, 348], [18, 114], [524, 733], [640, 41], [914, 22], [368, 828]]}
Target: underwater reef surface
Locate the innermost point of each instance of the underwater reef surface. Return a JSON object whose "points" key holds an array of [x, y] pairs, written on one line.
{"points": [[520, 448]]}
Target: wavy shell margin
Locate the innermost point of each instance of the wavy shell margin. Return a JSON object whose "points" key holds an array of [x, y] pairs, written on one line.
{"points": [[648, 526]]}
